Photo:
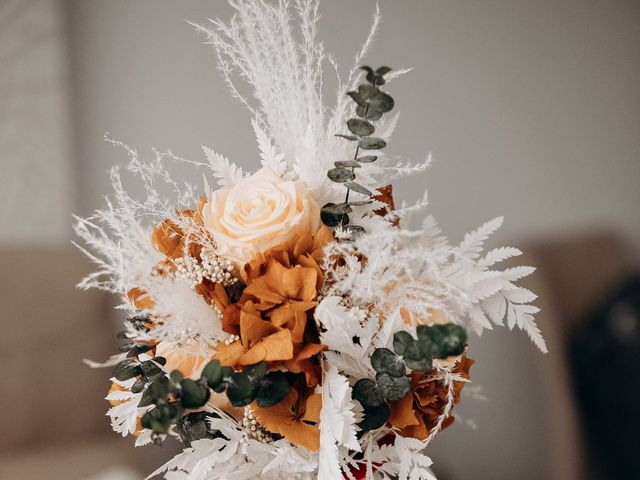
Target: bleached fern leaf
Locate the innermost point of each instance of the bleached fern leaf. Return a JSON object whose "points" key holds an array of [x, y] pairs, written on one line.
{"points": [[498, 255], [227, 173], [471, 246], [269, 157]]}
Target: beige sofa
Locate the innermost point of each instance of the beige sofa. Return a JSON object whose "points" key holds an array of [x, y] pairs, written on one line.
{"points": [[52, 412]]}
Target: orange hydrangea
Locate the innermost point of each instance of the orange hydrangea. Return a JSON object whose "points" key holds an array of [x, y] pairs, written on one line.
{"points": [[271, 316], [417, 414]]}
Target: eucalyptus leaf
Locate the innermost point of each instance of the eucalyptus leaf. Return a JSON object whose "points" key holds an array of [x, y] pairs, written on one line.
{"points": [[127, 369], [370, 143], [423, 364], [331, 218], [370, 73], [393, 388], [192, 426], [360, 127], [357, 98], [347, 164], [273, 388], [445, 340], [339, 208], [139, 385], [360, 203], [356, 187], [401, 341], [367, 159], [240, 390], [355, 231], [352, 138], [374, 417], [367, 393], [341, 175], [194, 394], [384, 360], [383, 70], [382, 102], [139, 348], [256, 372], [367, 91], [159, 389], [368, 113]]}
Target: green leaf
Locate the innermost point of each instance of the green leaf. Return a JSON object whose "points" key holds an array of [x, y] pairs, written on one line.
{"points": [[383, 70], [360, 127], [331, 217], [341, 175], [127, 369], [367, 393], [160, 360], [192, 427], [369, 71], [140, 348], [374, 417], [384, 360], [443, 340], [256, 372], [368, 113], [338, 208], [146, 399], [240, 390], [347, 164], [150, 369], [367, 91], [367, 159], [212, 373], [382, 102], [401, 340], [357, 98], [348, 137], [159, 389], [393, 388], [356, 187], [360, 203], [176, 377], [370, 143], [139, 385], [423, 364], [378, 80], [273, 388], [194, 394]]}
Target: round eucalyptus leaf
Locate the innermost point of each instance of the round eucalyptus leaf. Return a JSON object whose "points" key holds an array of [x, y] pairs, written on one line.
{"points": [[374, 417], [127, 369], [273, 388], [347, 164], [393, 388], [401, 340], [360, 127], [194, 394], [356, 187], [139, 348], [368, 113], [367, 393], [192, 426], [341, 175], [159, 389], [383, 70], [367, 159], [139, 385], [176, 376], [424, 364], [367, 91], [351, 138], [384, 360], [443, 340], [357, 98], [331, 218], [256, 372], [240, 390], [382, 102], [370, 143]]}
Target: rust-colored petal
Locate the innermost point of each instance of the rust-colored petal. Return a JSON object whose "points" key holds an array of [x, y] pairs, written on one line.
{"points": [[253, 329], [276, 347], [229, 355], [402, 414]]}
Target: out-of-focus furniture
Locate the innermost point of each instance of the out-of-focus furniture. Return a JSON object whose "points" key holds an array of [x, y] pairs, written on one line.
{"points": [[52, 407], [574, 275]]}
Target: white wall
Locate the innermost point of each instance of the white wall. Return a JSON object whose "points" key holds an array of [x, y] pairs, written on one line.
{"points": [[531, 108], [36, 180]]}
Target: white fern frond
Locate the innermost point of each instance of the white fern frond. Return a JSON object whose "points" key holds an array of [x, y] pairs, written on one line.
{"points": [[227, 173]]}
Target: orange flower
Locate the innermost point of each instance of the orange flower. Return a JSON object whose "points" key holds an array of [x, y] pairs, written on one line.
{"points": [[171, 240], [271, 316], [417, 413], [294, 418]]}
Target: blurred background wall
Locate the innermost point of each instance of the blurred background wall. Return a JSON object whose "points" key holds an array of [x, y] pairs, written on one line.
{"points": [[530, 108]]}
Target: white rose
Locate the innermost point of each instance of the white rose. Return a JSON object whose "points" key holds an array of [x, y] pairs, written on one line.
{"points": [[258, 213]]}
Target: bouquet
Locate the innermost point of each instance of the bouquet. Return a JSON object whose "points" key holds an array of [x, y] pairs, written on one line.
{"points": [[287, 323]]}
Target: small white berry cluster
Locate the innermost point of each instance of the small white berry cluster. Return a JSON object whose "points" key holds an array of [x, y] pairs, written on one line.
{"points": [[251, 429], [230, 339], [217, 269], [212, 267]]}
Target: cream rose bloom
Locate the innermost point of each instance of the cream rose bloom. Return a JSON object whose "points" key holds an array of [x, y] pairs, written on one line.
{"points": [[258, 213]]}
